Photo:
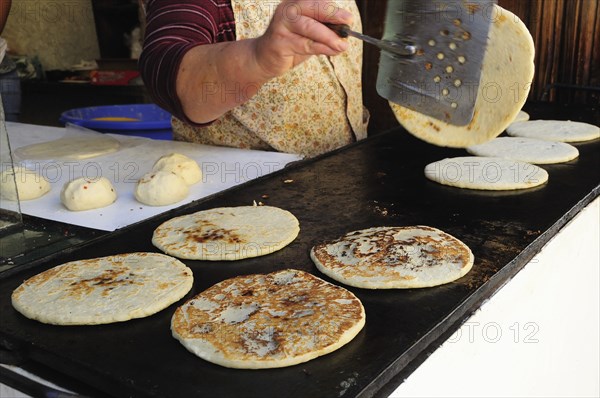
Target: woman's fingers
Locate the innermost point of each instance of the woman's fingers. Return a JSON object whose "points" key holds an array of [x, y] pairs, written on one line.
{"points": [[315, 38], [297, 32], [305, 18]]}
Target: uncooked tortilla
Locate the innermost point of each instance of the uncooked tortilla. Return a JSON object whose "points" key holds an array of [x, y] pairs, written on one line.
{"points": [[506, 76], [70, 148], [555, 130], [103, 290], [268, 321], [526, 150], [394, 258], [227, 233], [486, 173]]}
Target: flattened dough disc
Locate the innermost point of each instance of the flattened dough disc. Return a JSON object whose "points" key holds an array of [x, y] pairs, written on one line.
{"points": [[526, 150], [486, 173], [555, 130], [70, 148]]}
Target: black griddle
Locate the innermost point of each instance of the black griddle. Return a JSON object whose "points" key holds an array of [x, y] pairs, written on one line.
{"points": [[376, 182]]}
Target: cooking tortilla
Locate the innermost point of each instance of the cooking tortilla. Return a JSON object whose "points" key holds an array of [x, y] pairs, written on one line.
{"points": [[103, 290], [227, 233], [555, 130], [506, 75], [268, 321], [486, 173], [394, 258], [526, 150]]}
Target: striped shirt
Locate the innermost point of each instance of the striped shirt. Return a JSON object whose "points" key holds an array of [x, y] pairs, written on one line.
{"points": [[172, 29]]}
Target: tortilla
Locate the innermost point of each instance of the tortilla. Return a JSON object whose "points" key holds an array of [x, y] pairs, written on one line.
{"points": [[486, 173], [394, 258], [228, 233], [555, 130], [507, 72], [103, 290], [70, 148], [526, 150], [268, 321]]}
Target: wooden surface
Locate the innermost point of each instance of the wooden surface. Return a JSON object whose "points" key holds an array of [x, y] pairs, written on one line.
{"points": [[373, 15], [567, 39]]}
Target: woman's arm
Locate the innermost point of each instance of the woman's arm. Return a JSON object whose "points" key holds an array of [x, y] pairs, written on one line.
{"points": [[214, 79], [211, 79]]}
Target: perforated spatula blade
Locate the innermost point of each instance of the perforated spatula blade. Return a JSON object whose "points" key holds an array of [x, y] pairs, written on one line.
{"points": [[432, 55]]}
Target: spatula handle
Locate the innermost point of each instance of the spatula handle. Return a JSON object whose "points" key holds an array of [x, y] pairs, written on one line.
{"points": [[402, 49], [342, 30]]}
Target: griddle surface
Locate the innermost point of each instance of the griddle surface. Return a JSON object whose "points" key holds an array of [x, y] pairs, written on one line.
{"points": [[377, 182]]}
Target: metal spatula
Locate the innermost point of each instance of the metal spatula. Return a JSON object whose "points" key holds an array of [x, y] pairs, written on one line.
{"points": [[432, 55]]}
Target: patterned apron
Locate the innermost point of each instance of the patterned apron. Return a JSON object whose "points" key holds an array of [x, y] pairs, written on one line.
{"points": [[313, 108]]}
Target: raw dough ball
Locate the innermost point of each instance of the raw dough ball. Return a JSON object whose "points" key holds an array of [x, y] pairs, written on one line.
{"points": [[30, 184], [85, 194], [181, 165], [161, 188]]}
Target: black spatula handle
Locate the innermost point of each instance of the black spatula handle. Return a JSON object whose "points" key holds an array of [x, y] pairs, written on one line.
{"points": [[401, 49], [342, 30]]}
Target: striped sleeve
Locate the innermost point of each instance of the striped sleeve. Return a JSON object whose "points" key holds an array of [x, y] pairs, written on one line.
{"points": [[172, 29]]}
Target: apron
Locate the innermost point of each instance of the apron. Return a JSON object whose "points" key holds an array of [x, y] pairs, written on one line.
{"points": [[311, 109]]}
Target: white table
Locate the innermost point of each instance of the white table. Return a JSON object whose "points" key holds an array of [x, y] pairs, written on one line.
{"points": [[537, 336], [222, 168]]}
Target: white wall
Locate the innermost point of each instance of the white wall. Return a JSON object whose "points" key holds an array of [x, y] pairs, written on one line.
{"points": [[538, 336]]}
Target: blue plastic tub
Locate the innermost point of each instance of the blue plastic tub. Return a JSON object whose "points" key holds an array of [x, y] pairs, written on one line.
{"points": [[142, 120]]}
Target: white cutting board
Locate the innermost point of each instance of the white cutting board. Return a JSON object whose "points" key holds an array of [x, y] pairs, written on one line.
{"points": [[222, 168]]}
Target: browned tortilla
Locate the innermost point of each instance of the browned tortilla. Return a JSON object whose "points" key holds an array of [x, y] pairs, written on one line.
{"points": [[266, 321]]}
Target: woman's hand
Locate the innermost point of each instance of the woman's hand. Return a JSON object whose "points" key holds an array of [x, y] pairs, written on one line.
{"points": [[296, 32], [208, 73]]}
